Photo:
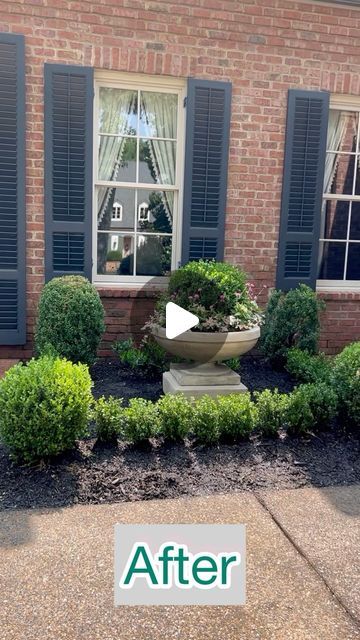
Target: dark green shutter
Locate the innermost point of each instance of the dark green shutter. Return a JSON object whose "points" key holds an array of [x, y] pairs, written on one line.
{"points": [[304, 165], [68, 170], [208, 109], [12, 190]]}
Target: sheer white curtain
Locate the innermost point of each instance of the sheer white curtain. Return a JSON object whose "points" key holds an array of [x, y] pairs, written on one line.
{"points": [[339, 123], [115, 110], [160, 115]]}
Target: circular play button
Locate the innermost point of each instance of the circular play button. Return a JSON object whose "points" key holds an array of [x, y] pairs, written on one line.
{"points": [[178, 320]]}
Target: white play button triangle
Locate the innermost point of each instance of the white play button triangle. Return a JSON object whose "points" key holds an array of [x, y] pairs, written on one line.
{"points": [[178, 320]]}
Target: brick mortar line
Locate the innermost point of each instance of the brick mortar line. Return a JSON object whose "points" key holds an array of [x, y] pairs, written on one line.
{"points": [[311, 564]]}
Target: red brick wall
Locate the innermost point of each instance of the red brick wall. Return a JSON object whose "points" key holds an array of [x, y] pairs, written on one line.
{"points": [[262, 47]]}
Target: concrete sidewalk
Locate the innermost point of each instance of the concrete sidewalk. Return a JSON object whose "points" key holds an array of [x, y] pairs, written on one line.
{"points": [[56, 578]]}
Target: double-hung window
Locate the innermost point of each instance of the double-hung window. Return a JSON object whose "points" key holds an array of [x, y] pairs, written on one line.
{"points": [[339, 258], [138, 162]]}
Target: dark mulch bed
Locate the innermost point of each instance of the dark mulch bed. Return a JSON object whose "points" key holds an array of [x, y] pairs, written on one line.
{"points": [[119, 473], [111, 378]]}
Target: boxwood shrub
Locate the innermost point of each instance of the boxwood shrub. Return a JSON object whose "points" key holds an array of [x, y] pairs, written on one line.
{"points": [[291, 320], [346, 381], [236, 416], [176, 414], [109, 418], [44, 407], [141, 421], [310, 407], [271, 407], [71, 319], [306, 367]]}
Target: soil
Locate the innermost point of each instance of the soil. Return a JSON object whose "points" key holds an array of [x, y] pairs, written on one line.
{"points": [[118, 473]]}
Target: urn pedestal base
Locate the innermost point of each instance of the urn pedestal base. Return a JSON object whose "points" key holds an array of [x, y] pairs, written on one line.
{"points": [[197, 380]]}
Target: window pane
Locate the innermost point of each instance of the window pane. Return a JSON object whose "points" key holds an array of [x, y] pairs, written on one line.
{"points": [[342, 130], [153, 257], [353, 265], [117, 159], [355, 221], [115, 254], [332, 260], [158, 114], [336, 219], [339, 174], [157, 162], [159, 206], [118, 111], [116, 208]]}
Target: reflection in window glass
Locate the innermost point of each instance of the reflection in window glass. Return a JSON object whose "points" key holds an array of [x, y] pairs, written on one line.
{"points": [[108, 198], [332, 260], [336, 219], [153, 257], [353, 265], [158, 115], [115, 254], [117, 159], [118, 111], [341, 208], [137, 146], [160, 211], [157, 161]]}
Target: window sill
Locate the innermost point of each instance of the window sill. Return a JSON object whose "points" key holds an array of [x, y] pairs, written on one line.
{"points": [[127, 290]]}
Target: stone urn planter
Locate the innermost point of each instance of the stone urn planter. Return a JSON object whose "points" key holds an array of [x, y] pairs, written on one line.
{"points": [[207, 351]]}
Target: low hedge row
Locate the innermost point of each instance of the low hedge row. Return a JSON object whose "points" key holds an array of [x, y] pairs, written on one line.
{"points": [[46, 405], [229, 418]]}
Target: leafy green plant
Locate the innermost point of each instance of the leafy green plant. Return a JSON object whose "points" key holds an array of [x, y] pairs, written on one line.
{"points": [[148, 358], [271, 409], [346, 381], [141, 421], [310, 408], [291, 320], [236, 416], [71, 319], [233, 363], [114, 256], [305, 367], [44, 407], [108, 414], [175, 413], [205, 420], [216, 292]]}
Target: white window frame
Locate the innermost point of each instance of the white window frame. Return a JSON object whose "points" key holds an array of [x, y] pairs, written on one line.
{"points": [[346, 103], [161, 84], [142, 206], [118, 208]]}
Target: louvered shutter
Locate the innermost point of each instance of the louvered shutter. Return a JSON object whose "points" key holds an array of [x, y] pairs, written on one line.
{"points": [[12, 190], [68, 169], [208, 113], [304, 164]]}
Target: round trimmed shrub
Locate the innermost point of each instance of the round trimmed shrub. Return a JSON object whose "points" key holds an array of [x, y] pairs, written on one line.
{"points": [[109, 418], [44, 407], [141, 421], [346, 381], [175, 413], [236, 416], [71, 319], [271, 408], [310, 408], [291, 320], [205, 420]]}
